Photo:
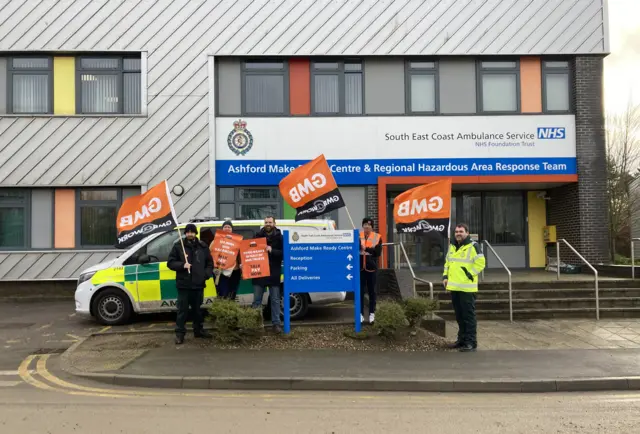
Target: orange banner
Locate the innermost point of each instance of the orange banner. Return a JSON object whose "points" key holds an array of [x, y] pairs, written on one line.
{"points": [[148, 213], [255, 259], [424, 209], [224, 249], [311, 189]]}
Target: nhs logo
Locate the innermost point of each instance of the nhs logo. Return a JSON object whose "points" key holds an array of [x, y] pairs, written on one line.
{"points": [[551, 133]]}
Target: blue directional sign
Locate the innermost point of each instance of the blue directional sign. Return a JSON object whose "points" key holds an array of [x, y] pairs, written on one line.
{"points": [[321, 261]]}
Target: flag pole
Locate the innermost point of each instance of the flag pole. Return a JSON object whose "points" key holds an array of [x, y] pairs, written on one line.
{"points": [[346, 208], [183, 250]]}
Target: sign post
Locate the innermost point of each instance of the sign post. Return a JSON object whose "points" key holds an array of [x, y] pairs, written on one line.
{"points": [[321, 261]]}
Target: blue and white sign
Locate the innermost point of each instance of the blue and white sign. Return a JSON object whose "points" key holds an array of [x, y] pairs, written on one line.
{"points": [[324, 261], [361, 149]]}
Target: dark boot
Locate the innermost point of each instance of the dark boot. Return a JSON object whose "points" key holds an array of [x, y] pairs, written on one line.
{"points": [[467, 348], [455, 345], [277, 329], [179, 339]]}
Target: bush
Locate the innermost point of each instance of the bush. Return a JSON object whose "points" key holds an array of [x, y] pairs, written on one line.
{"points": [[416, 308], [389, 319], [234, 322]]}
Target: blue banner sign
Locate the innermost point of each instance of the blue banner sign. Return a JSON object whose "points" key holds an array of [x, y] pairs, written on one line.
{"points": [[367, 172], [326, 261]]}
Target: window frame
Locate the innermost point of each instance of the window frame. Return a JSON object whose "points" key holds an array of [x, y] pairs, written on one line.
{"points": [[341, 72], [284, 72], [11, 71], [409, 72], [86, 203], [27, 217], [237, 201], [119, 72], [546, 70], [481, 72]]}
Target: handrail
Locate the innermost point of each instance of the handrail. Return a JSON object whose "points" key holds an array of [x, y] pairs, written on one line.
{"points": [[508, 272], [633, 258], [595, 272], [413, 274]]}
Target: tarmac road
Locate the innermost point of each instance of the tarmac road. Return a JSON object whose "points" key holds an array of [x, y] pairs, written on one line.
{"points": [[27, 409]]}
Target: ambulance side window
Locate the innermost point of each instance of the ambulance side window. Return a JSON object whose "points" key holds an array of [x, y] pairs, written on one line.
{"points": [[159, 249]]}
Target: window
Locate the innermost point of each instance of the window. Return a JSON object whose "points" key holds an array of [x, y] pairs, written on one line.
{"points": [[422, 79], [336, 88], [556, 86], [30, 85], [14, 212], [264, 88], [97, 211], [499, 86], [504, 218], [109, 85], [158, 250], [249, 202]]}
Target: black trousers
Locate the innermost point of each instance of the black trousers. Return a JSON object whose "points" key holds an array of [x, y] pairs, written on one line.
{"points": [[189, 301], [228, 285], [368, 286], [464, 305]]}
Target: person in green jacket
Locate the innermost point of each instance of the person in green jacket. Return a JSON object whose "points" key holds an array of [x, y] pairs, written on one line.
{"points": [[463, 264]]}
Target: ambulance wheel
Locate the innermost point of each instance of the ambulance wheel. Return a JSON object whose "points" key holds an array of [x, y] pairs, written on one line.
{"points": [[112, 307], [299, 306]]}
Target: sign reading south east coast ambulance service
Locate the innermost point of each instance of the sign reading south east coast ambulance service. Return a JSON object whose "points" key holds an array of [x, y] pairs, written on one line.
{"points": [[262, 151], [148, 213], [424, 209]]}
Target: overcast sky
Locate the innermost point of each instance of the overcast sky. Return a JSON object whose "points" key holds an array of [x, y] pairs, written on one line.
{"points": [[622, 66]]}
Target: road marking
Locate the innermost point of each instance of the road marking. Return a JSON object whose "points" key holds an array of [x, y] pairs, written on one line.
{"points": [[9, 383], [73, 337], [13, 341], [151, 326], [107, 328], [67, 341], [72, 315], [11, 373], [28, 378], [46, 326]]}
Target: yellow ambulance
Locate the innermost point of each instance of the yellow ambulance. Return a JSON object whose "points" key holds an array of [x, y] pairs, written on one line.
{"points": [[138, 281]]}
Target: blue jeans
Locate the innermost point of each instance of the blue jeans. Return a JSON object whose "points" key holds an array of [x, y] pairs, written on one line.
{"points": [[274, 294]]}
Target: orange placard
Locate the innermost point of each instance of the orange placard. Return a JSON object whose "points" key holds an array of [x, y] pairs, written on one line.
{"points": [[255, 259], [424, 209], [224, 249], [148, 213], [311, 189]]}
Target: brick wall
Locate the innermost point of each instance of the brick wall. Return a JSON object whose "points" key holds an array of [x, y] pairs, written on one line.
{"points": [[580, 211], [372, 206]]}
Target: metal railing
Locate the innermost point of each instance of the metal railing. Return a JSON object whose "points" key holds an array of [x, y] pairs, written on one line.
{"points": [[595, 272], [413, 274], [633, 257], [508, 274]]}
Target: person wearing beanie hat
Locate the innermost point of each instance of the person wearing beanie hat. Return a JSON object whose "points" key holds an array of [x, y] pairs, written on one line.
{"points": [[227, 286], [370, 251], [193, 265]]}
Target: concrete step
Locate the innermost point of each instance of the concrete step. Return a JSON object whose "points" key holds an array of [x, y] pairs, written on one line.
{"points": [[550, 303], [536, 294], [523, 314], [551, 284]]}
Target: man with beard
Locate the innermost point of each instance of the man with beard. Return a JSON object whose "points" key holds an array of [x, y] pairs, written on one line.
{"points": [[274, 249]]}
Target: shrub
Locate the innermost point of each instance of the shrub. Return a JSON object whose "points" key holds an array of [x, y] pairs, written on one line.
{"points": [[234, 322], [416, 308], [389, 319]]}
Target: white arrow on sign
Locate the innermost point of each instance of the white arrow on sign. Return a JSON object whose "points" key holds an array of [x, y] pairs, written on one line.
{"points": [[349, 276], [349, 267], [350, 257]]}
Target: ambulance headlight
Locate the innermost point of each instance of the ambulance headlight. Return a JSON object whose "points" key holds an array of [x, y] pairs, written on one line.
{"points": [[85, 276]]}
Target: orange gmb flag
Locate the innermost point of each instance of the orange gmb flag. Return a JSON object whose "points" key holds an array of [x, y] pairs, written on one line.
{"points": [[312, 190], [148, 213], [224, 250], [424, 209], [255, 259]]}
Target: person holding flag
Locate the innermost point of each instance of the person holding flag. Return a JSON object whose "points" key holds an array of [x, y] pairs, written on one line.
{"points": [[370, 250]]}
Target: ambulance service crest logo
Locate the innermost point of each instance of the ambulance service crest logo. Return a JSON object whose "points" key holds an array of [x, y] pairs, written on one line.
{"points": [[240, 140], [295, 237]]}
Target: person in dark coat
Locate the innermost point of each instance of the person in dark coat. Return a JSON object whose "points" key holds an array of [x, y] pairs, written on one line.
{"points": [[229, 279], [192, 274], [275, 250]]}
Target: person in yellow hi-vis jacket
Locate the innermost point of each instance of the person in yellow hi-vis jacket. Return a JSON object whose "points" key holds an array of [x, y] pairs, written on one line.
{"points": [[464, 263]]}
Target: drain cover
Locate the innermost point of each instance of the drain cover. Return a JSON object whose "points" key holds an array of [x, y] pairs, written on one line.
{"points": [[49, 351]]}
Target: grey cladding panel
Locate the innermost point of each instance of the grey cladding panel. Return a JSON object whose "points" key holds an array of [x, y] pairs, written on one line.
{"points": [[35, 271], [3, 85], [41, 218], [228, 86], [457, 86], [73, 262], [22, 266], [9, 263], [384, 86]]}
